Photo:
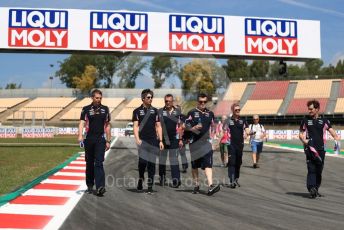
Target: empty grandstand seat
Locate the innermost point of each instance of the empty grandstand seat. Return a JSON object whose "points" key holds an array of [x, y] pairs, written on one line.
{"points": [[261, 107], [270, 90], [11, 102], [341, 89], [125, 114], [235, 91], [313, 89], [339, 106], [42, 108], [299, 106]]}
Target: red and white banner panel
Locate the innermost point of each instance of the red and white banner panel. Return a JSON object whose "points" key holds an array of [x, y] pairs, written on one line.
{"points": [[152, 32]]}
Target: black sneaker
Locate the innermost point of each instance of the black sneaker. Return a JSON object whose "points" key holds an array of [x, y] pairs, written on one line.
{"points": [[318, 194], [312, 193], [213, 189], [176, 185], [232, 185], [139, 185], [89, 190], [236, 182], [254, 166], [101, 191], [195, 190], [150, 190]]}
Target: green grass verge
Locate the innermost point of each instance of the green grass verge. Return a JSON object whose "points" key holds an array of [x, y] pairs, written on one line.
{"points": [[20, 165]]}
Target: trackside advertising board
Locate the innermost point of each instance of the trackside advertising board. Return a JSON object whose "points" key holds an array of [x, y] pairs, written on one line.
{"points": [[151, 32]]}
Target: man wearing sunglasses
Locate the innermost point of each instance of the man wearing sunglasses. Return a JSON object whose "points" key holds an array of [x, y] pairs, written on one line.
{"points": [[312, 135], [200, 121], [170, 119], [236, 127], [147, 128]]}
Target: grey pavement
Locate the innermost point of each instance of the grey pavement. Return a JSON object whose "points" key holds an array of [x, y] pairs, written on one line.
{"points": [[271, 197]]}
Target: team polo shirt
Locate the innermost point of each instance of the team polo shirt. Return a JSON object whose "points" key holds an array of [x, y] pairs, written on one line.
{"points": [[316, 130], [171, 121], [148, 131], [236, 129], [95, 118], [207, 119]]}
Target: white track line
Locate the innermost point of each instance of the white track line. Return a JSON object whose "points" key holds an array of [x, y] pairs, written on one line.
{"points": [[69, 182], [69, 174], [301, 150], [74, 167], [50, 210], [49, 192]]}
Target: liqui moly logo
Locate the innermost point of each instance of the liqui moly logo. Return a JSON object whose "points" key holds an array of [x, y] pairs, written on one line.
{"points": [[196, 33], [119, 31], [275, 37], [38, 28]]}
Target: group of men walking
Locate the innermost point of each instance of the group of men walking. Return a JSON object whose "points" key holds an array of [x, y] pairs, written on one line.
{"points": [[163, 134]]}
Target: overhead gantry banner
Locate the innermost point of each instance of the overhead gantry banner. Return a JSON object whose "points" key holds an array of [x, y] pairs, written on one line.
{"points": [[150, 32]]}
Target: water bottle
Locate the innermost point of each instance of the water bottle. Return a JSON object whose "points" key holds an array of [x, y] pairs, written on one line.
{"points": [[200, 123], [336, 149]]}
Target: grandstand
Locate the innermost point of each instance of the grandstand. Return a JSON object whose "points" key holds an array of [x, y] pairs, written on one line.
{"points": [[283, 101], [42, 108], [7, 103], [74, 113]]}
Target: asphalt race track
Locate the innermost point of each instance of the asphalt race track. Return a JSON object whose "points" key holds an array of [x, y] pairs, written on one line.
{"points": [[271, 197]]}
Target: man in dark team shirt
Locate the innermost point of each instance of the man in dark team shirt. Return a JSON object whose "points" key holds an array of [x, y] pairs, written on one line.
{"points": [[170, 119], [236, 126], [96, 120], [200, 121], [312, 135], [147, 128]]}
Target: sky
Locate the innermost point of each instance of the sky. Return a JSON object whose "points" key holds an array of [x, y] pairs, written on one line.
{"points": [[34, 70]]}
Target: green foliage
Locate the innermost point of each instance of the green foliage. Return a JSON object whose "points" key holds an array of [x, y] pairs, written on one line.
{"points": [[13, 86], [129, 70], [161, 68], [259, 68], [236, 69]]}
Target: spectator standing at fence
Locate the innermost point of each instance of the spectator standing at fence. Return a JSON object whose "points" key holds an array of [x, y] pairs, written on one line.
{"points": [[312, 135], [258, 134], [96, 120], [148, 137]]}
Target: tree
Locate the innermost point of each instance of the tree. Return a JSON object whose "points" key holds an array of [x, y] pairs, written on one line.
{"points": [[313, 66], [73, 66], [86, 81], [339, 70], [161, 68], [236, 69], [259, 68], [13, 86], [107, 66], [129, 70], [199, 75]]}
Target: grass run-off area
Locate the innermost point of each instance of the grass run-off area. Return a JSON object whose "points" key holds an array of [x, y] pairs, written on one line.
{"points": [[23, 159]]}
